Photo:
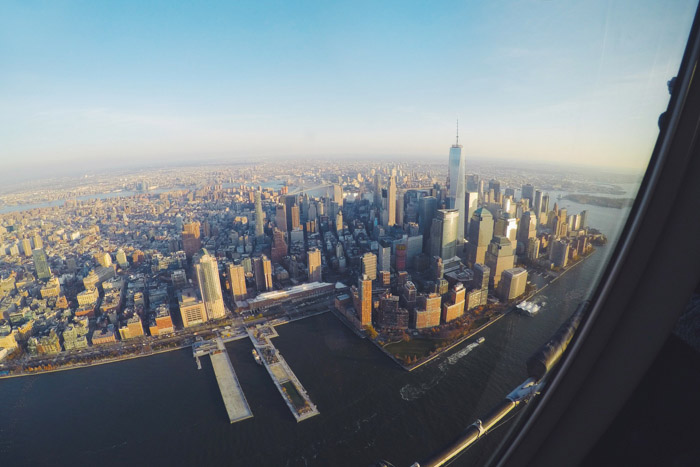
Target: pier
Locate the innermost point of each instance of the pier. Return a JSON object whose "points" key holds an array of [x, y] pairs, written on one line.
{"points": [[231, 392], [289, 386]]}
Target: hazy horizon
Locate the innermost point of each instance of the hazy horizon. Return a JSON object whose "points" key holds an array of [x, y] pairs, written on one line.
{"points": [[106, 85]]}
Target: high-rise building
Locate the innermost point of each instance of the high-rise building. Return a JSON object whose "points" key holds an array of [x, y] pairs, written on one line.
{"points": [[296, 224], [377, 189], [339, 222], [457, 178], [259, 218], [313, 259], [513, 282], [236, 274], [559, 253], [384, 256], [480, 234], [538, 205], [262, 270], [528, 192], [192, 309], [443, 233], [191, 242], [471, 204], [281, 217], [427, 314], [338, 194], [27, 247], [499, 257], [391, 202], [369, 265], [207, 271], [121, 259], [400, 202], [427, 207], [279, 246], [289, 202], [38, 242], [495, 188], [453, 308], [481, 276], [41, 264], [364, 287], [526, 230]]}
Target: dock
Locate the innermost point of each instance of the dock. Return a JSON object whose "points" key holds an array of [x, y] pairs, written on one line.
{"points": [[289, 386], [236, 404]]}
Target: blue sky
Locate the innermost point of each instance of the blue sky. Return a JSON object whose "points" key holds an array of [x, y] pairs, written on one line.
{"points": [[560, 81]]}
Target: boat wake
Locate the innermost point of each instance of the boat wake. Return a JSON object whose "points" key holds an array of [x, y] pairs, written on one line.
{"points": [[412, 392]]}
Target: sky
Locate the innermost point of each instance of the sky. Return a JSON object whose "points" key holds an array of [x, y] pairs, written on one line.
{"points": [[108, 83]]}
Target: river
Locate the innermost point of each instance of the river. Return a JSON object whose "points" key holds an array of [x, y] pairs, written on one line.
{"points": [[162, 410]]}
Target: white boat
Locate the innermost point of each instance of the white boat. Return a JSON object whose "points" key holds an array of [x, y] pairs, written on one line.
{"points": [[529, 308], [257, 358], [480, 340]]}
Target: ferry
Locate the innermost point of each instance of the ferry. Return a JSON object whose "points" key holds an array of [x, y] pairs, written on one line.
{"points": [[257, 358], [480, 340], [529, 308]]}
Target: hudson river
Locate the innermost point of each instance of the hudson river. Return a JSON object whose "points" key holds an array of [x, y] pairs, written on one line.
{"points": [[162, 410]]}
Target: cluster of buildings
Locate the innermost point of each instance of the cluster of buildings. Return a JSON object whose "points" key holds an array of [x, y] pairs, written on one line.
{"points": [[418, 250]]}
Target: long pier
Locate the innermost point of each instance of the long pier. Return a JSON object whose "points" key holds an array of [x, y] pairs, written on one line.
{"points": [[236, 404], [289, 386]]}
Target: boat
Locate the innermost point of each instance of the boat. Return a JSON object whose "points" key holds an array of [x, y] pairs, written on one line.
{"points": [[257, 358], [529, 308], [480, 340]]}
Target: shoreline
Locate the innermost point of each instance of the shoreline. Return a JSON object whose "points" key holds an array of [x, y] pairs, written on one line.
{"points": [[101, 362], [481, 328]]}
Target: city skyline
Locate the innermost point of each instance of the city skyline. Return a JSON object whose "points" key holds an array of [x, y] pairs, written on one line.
{"points": [[252, 82]]}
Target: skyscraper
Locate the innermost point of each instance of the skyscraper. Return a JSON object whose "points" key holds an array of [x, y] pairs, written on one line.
{"points": [[377, 189], [384, 256], [480, 233], [41, 264], [27, 247], [457, 177], [207, 271], [279, 246], [259, 218], [528, 192], [471, 204], [538, 205], [400, 202], [526, 230], [427, 207], [191, 242], [289, 202], [391, 202], [443, 233], [313, 259], [369, 265], [262, 270], [236, 274], [364, 286], [295, 217], [499, 257], [281, 217]]}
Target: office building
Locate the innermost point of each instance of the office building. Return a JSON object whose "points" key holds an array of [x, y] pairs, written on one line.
{"points": [[384, 256], [457, 177], [453, 307], [207, 272], [236, 274], [513, 282], [281, 217], [443, 233], [278, 250], [259, 218], [427, 207], [528, 192], [559, 253], [191, 241], [262, 269], [313, 259], [41, 264], [499, 257], [296, 223], [480, 234], [526, 230], [192, 309]]}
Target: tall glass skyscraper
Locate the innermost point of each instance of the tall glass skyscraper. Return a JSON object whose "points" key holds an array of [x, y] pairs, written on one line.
{"points": [[457, 171]]}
